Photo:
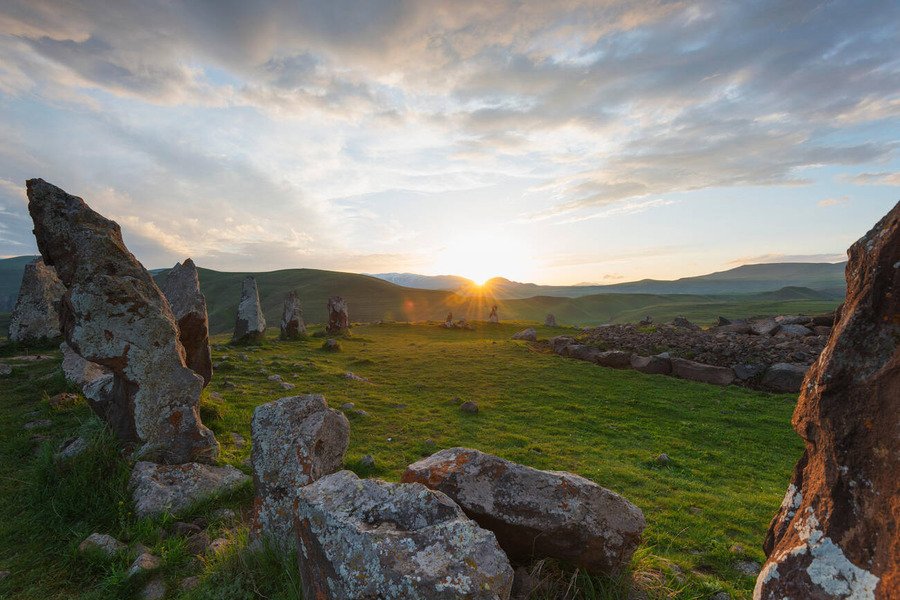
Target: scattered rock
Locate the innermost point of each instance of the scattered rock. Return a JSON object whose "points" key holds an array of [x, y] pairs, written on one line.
{"points": [[653, 365], [663, 459], [835, 535], [182, 529], [101, 542], [224, 514], [36, 314], [274, 378], [529, 335], [5, 370], [331, 345], [747, 567], [763, 327], [684, 324], [822, 330], [4, 575], [292, 325], [296, 440], [784, 377], [157, 489], [189, 583], [559, 343], [364, 538], [338, 317], [360, 413], [217, 545], [367, 461], [238, 440], [550, 320], [144, 563], [793, 330], [155, 589], [581, 352], [537, 514], [198, 543], [353, 377], [250, 324], [688, 369], [494, 317], [37, 424], [347, 406], [469, 407], [63, 399], [286, 386], [720, 596], [71, 448], [746, 372], [181, 288], [114, 314]]}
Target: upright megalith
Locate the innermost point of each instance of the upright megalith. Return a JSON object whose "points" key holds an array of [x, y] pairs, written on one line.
{"points": [[338, 317], [36, 314], [250, 324], [292, 325], [296, 440], [113, 314], [550, 320], [836, 534], [494, 317], [181, 288]]}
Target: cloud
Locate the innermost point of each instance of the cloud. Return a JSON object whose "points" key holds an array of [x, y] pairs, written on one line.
{"points": [[826, 202], [787, 258], [882, 178]]}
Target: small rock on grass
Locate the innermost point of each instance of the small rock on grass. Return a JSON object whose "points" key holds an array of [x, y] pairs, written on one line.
{"points": [[217, 545], [238, 440], [347, 406], [189, 583], [5, 370], [154, 590], [71, 448], [469, 407], [747, 567], [367, 461], [663, 459], [224, 514], [101, 542], [144, 563], [4, 575], [38, 424]]}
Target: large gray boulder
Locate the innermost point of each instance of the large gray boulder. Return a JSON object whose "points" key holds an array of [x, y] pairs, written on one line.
{"points": [[537, 514], [364, 538], [79, 371], [181, 288], [338, 316], [250, 323], [784, 377], [528, 335], [614, 359], [653, 365], [688, 369], [292, 325], [296, 440], [36, 314], [158, 489], [114, 314]]}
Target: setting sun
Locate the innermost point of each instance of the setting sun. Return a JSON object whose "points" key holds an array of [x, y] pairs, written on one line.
{"points": [[481, 255]]}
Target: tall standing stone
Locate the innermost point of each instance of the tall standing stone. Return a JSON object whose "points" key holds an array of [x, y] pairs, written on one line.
{"points": [[836, 534], [182, 289], [114, 314], [338, 317], [550, 320], [292, 325], [36, 314], [494, 317], [250, 325]]}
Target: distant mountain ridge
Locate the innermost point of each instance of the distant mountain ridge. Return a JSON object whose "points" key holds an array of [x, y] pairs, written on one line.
{"points": [[425, 282]]}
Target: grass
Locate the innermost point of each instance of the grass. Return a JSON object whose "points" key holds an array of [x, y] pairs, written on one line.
{"points": [[731, 449]]}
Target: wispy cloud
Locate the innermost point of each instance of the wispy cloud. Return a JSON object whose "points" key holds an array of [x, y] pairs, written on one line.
{"points": [[882, 178], [826, 202]]}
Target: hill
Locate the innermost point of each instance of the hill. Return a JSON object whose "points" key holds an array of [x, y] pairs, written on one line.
{"points": [[426, 282], [746, 279]]}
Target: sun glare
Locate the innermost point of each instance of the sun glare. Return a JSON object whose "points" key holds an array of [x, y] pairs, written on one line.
{"points": [[482, 255]]}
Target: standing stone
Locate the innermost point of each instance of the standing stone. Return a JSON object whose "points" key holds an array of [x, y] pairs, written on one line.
{"points": [[114, 314], [365, 538], [550, 320], [36, 314], [250, 325], [448, 322], [494, 317], [292, 325], [182, 289], [296, 441], [338, 317], [537, 514], [836, 534]]}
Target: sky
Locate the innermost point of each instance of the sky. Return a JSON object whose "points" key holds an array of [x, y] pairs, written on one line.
{"points": [[553, 142]]}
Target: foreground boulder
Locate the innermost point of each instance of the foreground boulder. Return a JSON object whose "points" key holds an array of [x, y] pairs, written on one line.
{"points": [[79, 371], [250, 323], [836, 535], [114, 314], [338, 316], [364, 538], [296, 441], [292, 325], [181, 288], [537, 514], [158, 489], [36, 314]]}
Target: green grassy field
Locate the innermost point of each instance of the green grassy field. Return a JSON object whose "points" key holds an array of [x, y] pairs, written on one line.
{"points": [[732, 450]]}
